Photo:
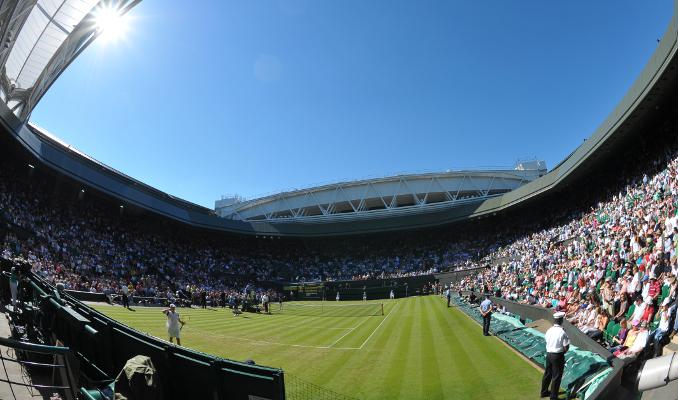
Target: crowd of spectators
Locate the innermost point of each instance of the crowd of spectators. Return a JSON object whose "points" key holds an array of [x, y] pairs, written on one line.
{"points": [[75, 239], [614, 264], [615, 261]]}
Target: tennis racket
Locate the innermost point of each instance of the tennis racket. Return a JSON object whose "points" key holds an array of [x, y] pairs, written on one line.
{"points": [[186, 320]]}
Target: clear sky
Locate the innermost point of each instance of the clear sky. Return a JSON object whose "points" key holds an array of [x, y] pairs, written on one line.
{"points": [[205, 98]]}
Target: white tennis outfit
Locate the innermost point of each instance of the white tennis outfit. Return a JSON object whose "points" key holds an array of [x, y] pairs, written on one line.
{"points": [[173, 328]]}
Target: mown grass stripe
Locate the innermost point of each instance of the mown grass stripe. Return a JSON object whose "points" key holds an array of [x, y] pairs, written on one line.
{"points": [[431, 385], [419, 349], [396, 364]]}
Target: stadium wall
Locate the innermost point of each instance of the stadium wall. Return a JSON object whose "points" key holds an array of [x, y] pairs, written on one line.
{"points": [[103, 346], [609, 388], [353, 290]]}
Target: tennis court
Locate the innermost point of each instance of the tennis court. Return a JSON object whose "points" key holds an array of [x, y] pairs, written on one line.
{"points": [[418, 348]]}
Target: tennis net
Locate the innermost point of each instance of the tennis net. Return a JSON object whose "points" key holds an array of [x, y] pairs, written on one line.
{"points": [[330, 310]]}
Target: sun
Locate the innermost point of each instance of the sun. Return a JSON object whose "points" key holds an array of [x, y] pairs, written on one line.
{"points": [[110, 24]]}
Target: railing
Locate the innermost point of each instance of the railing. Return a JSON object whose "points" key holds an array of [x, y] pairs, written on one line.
{"points": [[32, 356], [103, 346], [107, 298]]}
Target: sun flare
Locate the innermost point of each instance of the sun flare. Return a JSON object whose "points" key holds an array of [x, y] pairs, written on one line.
{"points": [[111, 25]]}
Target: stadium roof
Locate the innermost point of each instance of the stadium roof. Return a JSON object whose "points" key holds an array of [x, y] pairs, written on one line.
{"points": [[632, 122], [382, 197], [40, 38]]}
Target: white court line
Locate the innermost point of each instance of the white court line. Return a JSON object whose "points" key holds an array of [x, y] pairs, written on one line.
{"points": [[262, 342], [317, 327], [352, 329], [265, 342], [377, 328]]}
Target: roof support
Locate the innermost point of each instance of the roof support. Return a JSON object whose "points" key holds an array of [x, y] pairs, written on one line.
{"points": [[382, 197], [13, 15], [81, 36]]}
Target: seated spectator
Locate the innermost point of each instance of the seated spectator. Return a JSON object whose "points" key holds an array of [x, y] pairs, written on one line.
{"points": [[620, 337], [639, 311], [658, 335], [622, 307], [601, 323], [635, 343]]}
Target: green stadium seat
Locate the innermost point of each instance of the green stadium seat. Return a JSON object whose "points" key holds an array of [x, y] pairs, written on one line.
{"points": [[629, 313], [614, 331], [607, 335]]}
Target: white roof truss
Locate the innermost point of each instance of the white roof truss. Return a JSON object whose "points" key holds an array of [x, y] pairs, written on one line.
{"points": [[39, 40]]}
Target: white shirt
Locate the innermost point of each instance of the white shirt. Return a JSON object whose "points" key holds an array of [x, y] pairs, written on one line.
{"points": [[173, 320], [638, 311], [640, 342], [664, 318], [634, 284], [556, 339]]}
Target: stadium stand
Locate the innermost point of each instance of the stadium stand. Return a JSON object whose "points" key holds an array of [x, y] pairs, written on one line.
{"points": [[84, 242], [580, 238], [597, 240]]}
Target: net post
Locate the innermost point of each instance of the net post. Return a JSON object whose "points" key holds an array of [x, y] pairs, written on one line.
{"points": [[382, 309]]}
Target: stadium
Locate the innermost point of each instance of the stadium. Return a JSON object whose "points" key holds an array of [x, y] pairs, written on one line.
{"points": [[372, 288]]}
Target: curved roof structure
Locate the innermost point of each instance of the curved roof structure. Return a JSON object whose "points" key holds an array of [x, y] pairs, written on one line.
{"points": [[381, 198], [40, 38], [649, 101]]}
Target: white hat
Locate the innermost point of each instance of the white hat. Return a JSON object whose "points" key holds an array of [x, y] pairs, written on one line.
{"points": [[559, 315], [173, 306]]}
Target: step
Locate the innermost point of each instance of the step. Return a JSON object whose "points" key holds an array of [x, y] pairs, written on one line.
{"points": [[671, 348]]}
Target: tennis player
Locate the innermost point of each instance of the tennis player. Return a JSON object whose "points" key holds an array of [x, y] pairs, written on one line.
{"points": [[174, 323]]}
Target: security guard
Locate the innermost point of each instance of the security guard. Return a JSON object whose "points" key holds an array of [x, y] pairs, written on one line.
{"points": [[557, 344], [486, 312]]}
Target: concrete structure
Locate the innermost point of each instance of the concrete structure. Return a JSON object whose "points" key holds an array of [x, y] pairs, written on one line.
{"points": [[383, 197]]}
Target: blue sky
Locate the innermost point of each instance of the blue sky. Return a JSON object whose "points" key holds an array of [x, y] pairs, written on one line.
{"points": [[255, 96]]}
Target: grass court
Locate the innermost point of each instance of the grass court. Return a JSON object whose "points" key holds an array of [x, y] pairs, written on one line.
{"points": [[419, 349]]}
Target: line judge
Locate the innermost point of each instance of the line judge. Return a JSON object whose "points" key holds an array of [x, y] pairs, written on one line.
{"points": [[486, 312], [557, 344]]}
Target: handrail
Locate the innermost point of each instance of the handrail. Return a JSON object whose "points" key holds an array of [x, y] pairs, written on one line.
{"points": [[36, 348]]}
